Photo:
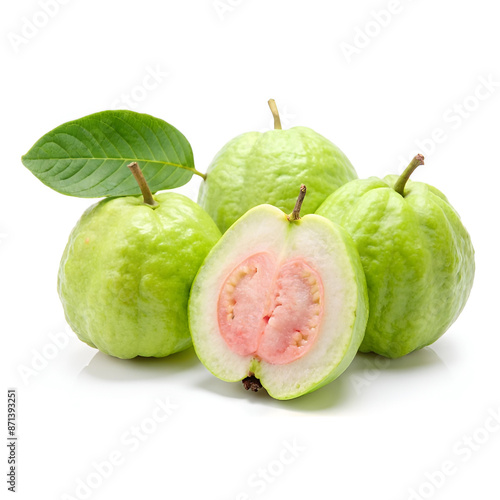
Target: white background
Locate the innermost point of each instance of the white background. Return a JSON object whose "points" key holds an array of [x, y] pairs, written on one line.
{"points": [[381, 430]]}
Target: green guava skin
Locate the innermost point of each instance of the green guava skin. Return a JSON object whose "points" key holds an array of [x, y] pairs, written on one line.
{"points": [[126, 273], [257, 168], [417, 256]]}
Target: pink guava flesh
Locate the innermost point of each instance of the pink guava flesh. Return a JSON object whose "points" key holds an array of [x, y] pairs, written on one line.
{"points": [[269, 309]]}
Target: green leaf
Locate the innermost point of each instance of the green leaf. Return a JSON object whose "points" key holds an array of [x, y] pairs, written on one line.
{"points": [[89, 157]]}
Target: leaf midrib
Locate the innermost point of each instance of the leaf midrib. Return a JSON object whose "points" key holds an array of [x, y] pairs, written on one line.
{"points": [[113, 159]]}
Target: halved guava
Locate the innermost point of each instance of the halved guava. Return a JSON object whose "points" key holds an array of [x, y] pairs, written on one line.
{"points": [[279, 300]]}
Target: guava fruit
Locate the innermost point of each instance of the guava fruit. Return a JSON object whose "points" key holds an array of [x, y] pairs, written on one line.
{"points": [[417, 256], [256, 168], [126, 272], [279, 302]]}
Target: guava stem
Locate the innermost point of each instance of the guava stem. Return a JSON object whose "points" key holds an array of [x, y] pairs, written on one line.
{"points": [[139, 177], [202, 175], [295, 215], [399, 187], [275, 112]]}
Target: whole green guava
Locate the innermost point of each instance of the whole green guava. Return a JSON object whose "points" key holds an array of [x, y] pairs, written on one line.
{"points": [[417, 256], [256, 168], [127, 270]]}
